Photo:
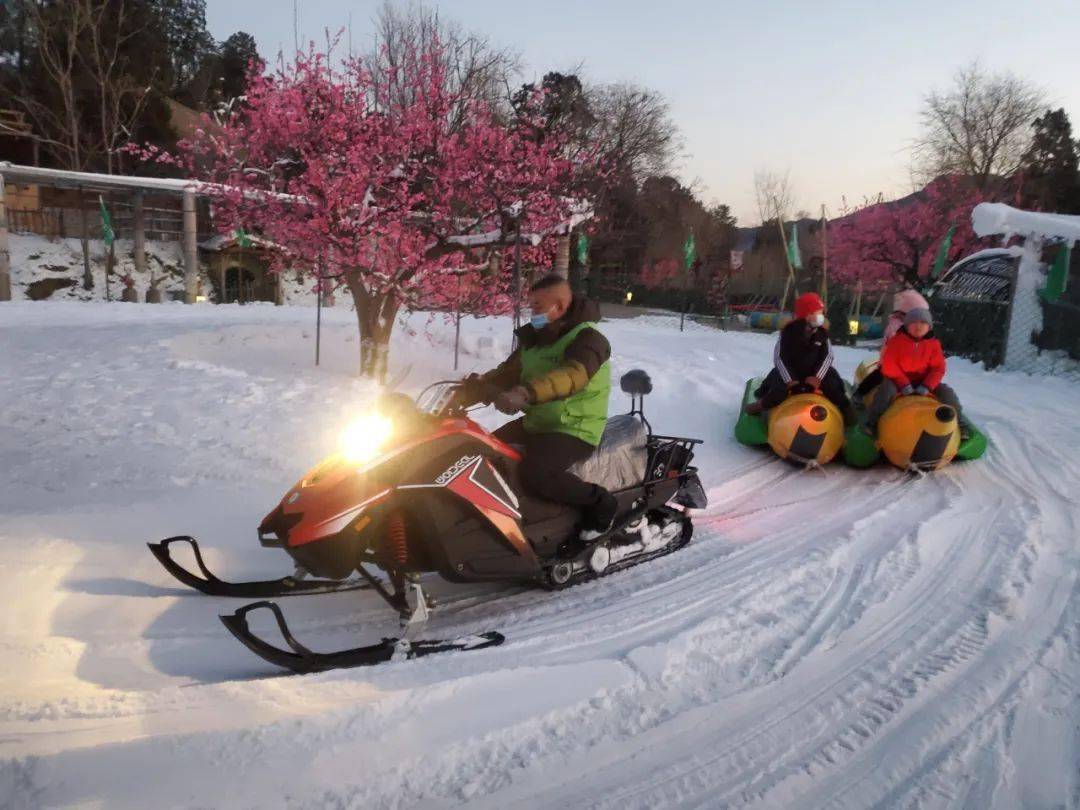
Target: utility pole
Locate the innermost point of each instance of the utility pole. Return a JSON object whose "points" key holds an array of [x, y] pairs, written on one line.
{"points": [[5, 255], [787, 259], [824, 292], [88, 277], [191, 248], [318, 319], [517, 275], [295, 28]]}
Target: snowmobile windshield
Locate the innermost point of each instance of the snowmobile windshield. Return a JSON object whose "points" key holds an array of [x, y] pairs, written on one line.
{"points": [[434, 399]]}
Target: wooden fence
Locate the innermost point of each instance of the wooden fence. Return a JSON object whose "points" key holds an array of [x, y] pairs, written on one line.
{"points": [[160, 224]]}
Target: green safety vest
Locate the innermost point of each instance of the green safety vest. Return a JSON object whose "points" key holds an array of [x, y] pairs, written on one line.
{"points": [[583, 414]]}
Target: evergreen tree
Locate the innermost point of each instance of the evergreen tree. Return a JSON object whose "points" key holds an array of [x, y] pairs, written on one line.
{"points": [[1051, 167], [237, 54], [182, 26]]}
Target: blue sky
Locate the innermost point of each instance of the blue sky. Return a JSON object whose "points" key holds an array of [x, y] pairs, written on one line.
{"points": [[827, 90]]}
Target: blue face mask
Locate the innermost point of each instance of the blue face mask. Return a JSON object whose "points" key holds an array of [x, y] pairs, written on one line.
{"points": [[539, 321]]}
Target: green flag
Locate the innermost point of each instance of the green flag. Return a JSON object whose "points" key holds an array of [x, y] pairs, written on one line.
{"points": [[689, 251], [942, 253], [794, 256], [107, 233], [582, 249], [241, 237], [1058, 276]]}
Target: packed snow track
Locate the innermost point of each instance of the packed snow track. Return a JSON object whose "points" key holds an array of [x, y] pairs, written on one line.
{"points": [[840, 639]]}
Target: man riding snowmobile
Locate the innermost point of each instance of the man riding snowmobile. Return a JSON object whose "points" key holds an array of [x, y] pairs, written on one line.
{"points": [[419, 488], [559, 375]]}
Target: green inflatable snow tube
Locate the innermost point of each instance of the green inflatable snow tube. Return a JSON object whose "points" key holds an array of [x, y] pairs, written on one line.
{"points": [[973, 446], [751, 430]]}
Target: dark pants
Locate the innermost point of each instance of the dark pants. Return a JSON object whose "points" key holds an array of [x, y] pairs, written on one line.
{"points": [[869, 383], [887, 392], [547, 456], [773, 390]]}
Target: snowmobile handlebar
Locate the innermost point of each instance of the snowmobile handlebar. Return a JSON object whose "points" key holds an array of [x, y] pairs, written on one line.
{"points": [[451, 397]]}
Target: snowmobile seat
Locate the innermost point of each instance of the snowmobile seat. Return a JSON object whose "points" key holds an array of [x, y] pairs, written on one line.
{"points": [[620, 458]]}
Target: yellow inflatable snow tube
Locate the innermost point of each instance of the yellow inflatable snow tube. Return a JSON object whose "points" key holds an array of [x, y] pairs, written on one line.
{"points": [[806, 428], [919, 433]]}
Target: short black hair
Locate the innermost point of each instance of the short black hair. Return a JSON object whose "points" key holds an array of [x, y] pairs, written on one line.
{"points": [[547, 282]]}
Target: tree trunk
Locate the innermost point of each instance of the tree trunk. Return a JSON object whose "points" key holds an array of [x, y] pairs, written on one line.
{"points": [[375, 315]]}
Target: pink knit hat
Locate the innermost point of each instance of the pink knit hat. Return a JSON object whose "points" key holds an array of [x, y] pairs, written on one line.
{"points": [[908, 300]]}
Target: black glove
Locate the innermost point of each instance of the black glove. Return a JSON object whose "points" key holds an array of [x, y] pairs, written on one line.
{"points": [[922, 390], [467, 393], [907, 390], [513, 400]]}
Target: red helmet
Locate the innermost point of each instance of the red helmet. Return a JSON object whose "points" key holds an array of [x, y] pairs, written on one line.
{"points": [[807, 304]]}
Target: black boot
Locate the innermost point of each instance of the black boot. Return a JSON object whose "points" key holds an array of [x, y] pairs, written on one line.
{"points": [[599, 517], [754, 408]]}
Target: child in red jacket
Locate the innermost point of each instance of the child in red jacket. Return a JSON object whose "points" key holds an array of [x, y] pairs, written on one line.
{"points": [[912, 363]]}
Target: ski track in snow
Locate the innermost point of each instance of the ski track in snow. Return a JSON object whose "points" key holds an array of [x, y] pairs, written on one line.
{"points": [[841, 639]]}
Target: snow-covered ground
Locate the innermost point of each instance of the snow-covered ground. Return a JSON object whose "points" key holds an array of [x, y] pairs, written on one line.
{"points": [[847, 639]]}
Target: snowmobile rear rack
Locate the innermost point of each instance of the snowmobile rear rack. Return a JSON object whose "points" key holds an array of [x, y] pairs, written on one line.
{"points": [[211, 585], [301, 659]]}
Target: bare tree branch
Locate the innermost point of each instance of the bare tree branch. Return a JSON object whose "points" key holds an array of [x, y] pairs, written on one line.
{"points": [[774, 195], [980, 127]]}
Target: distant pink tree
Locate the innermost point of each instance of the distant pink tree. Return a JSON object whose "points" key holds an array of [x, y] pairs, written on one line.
{"points": [[392, 195], [659, 273], [885, 243]]}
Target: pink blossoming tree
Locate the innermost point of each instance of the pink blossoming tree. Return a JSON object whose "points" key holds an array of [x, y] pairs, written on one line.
{"points": [[886, 243], [390, 195]]}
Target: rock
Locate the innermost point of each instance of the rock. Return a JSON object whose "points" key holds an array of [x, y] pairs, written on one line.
{"points": [[153, 296], [130, 295], [43, 288]]}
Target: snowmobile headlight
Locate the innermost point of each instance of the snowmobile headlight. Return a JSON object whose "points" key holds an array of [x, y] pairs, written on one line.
{"points": [[364, 438]]}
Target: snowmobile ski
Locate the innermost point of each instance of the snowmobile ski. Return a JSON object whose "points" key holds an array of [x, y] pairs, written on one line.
{"points": [[301, 659], [211, 585]]}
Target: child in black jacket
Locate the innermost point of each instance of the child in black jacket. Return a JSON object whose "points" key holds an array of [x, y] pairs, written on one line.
{"points": [[803, 357]]}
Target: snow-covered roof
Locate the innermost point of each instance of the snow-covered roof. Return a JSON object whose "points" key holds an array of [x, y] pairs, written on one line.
{"points": [[15, 173], [1000, 219], [1011, 251]]}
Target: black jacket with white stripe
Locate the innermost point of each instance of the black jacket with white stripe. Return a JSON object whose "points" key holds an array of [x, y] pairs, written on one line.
{"points": [[802, 351]]}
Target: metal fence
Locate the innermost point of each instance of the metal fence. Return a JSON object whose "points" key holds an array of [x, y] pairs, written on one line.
{"points": [[985, 310]]}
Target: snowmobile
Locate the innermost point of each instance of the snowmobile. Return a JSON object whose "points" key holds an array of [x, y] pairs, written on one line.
{"points": [[418, 487], [806, 428]]}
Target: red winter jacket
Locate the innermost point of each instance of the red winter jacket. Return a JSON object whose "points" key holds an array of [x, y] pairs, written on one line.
{"points": [[908, 361]]}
